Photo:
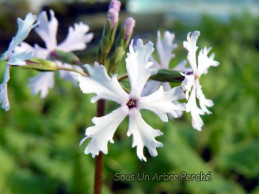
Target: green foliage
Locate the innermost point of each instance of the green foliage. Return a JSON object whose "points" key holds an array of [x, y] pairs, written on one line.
{"points": [[39, 150]]}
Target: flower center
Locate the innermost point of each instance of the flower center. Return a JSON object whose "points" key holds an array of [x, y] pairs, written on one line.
{"points": [[132, 103], [197, 76]]}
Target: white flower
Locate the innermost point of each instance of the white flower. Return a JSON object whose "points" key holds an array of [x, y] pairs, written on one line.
{"points": [[164, 48], [76, 39], [160, 102], [191, 82], [13, 57]]}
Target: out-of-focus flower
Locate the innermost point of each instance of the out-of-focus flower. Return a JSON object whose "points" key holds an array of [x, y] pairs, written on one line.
{"points": [[164, 48], [191, 82], [160, 102], [76, 39], [16, 58]]}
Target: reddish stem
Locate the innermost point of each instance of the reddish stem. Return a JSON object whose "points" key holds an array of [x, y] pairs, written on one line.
{"points": [[99, 158]]}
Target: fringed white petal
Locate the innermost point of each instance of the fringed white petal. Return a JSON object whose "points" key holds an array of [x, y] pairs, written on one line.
{"points": [[203, 101], [164, 47], [20, 58], [42, 83], [102, 85], [187, 84], [195, 111], [163, 103], [47, 29], [204, 62], [77, 38], [143, 134], [191, 46], [103, 131], [24, 27], [3, 89], [138, 67]]}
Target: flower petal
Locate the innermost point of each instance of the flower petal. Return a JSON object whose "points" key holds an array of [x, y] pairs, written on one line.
{"points": [[143, 134], [102, 85], [47, 29], [163, 103], [187, 84], [150, 87], [195, 111], [20, 58], [3, 89], [204, 62], [165, 47], [181, 67], [24, 27], [191, 46], [203, 101], [77, 38], [103, 131], [138, 67], [42, 83]]}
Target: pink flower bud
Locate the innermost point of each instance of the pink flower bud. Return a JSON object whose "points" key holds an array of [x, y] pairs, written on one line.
{"points": [[129, 26], [112, 16], [115, 4]]}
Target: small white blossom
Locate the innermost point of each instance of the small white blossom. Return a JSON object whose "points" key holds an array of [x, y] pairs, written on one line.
{"points": [[164, 48], [16, 58], [160, 102], [76, 39], [191, 82]]}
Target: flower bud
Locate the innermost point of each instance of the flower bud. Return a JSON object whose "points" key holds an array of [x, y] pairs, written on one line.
{"points": [[109, 30], [122, 43], [40, 65], [165, 75], [115, 4], [129, 25], [112, 17]]}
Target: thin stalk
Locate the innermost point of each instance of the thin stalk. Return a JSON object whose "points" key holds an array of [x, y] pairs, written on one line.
{"points": [[99, 158], [73, 70]]}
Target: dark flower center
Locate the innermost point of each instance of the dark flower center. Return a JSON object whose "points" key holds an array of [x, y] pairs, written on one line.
{"points": [[132, 103]]}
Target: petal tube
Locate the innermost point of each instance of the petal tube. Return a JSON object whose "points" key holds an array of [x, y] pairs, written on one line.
{"points": [[143, 134], [102, 85], [103, 131], [47, 29], [77, 38], [42, 83], [163, 103], [138, 67]]}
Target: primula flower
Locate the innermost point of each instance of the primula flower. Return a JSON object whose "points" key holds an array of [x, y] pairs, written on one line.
{"points": [[164, 48], [16, 58], [160, 102], [76, 39], [191, 82]]}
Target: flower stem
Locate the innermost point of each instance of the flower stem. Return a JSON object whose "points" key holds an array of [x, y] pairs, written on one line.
{"points": [[99, 158], [73, 70]]}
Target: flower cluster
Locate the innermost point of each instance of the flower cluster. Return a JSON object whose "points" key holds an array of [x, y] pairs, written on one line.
{"points": [[156, 96]]}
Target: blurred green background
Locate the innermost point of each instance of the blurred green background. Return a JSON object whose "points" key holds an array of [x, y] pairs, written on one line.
{"points": [[39, 150]]}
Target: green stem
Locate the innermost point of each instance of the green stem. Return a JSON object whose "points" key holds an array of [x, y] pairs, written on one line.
{"points": [[73, 70]]}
